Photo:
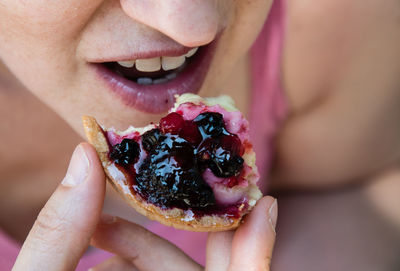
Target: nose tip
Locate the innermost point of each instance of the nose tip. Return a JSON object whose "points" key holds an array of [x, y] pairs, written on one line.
{"points": [[191, 23], [190, 32]]}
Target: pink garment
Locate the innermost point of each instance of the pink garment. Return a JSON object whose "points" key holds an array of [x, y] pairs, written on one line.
{"points": [[268, 97], [267, 100]]}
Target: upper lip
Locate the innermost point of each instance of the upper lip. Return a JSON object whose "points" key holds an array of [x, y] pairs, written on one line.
{"points": [[178, 51]]}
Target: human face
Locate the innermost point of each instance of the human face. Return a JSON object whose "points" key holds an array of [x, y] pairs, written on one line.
{"points": [[56, 48]]}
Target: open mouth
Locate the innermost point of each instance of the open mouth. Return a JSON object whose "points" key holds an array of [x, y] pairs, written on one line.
{"points": [[150, 83], [152, 71]]}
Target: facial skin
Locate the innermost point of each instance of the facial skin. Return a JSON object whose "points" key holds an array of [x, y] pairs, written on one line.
{"points": [[58, 38]]}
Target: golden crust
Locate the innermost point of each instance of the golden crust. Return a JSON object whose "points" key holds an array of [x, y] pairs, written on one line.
{"points": [[176, 218]]}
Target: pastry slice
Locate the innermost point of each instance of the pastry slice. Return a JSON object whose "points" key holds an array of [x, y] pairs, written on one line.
{"points": [[195, 170]]}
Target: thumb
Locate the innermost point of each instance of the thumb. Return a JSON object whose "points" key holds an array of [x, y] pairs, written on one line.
{"points": [[63, 229], [253, 242]]}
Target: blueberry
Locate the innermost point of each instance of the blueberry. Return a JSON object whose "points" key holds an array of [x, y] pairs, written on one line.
{"points": [[210, 124], [150, 139], [221, 155], [224, 165], [125, 153]]}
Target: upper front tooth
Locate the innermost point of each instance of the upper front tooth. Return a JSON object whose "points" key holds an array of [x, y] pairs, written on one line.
{"points": [[148, 64], [127, 64], [172, 62], [192, 52]]}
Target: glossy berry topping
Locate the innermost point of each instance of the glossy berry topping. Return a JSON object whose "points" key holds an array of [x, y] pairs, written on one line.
{"points": [[223, 164], [178, 153], [150, 139], [169, 176], [222, 155], [125, 153], [210, 124]]}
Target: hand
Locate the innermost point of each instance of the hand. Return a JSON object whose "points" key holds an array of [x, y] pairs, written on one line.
{"points": [[71, 220], [249, 248]]}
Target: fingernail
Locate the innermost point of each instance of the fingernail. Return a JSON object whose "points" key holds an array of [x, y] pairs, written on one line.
{"points": [[273, 214], [78, 168], [107, 219]]}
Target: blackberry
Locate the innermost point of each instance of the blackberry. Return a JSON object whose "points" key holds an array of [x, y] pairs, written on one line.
{"points": [[169, 176]]}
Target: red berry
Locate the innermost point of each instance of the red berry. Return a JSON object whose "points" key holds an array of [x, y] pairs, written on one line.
{"points": [[232, 143], [191, 133], [172, 123], [232, 181]]}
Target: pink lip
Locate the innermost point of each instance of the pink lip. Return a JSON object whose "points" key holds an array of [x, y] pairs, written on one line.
{"points": [[159, 98]]}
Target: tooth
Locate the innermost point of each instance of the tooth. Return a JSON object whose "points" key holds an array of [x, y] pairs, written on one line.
{"points": [[171, 76], [127, 64], [172, 62], [160, 81], [144, 81], [148, 64], [192, 52]]}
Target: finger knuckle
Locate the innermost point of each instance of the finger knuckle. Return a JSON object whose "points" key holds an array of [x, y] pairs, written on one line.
{"points": [[51, 219], [50, 226]]}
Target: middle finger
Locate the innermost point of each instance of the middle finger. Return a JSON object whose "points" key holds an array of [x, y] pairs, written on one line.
{"points": [[144, 249], [114, 263]]}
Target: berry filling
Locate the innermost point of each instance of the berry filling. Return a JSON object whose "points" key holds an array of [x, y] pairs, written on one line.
{"points": [[169, 164]]}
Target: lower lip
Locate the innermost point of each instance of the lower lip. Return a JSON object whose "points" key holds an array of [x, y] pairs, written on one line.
{"points": [[160, 97]]}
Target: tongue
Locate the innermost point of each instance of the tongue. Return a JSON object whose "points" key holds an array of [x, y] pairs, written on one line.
{"points": [[133, 73]]}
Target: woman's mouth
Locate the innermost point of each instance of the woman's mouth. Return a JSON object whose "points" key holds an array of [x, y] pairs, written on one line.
{"points": [[149, 82]]}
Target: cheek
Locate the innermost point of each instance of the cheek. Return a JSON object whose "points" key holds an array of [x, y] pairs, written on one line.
{"points": [[246, 20], [250, 17], [38, 37], [43, 22], [46, 16]]}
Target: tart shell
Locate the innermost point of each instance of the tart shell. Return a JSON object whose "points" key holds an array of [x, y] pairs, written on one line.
{"points": [[174, 217]]}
